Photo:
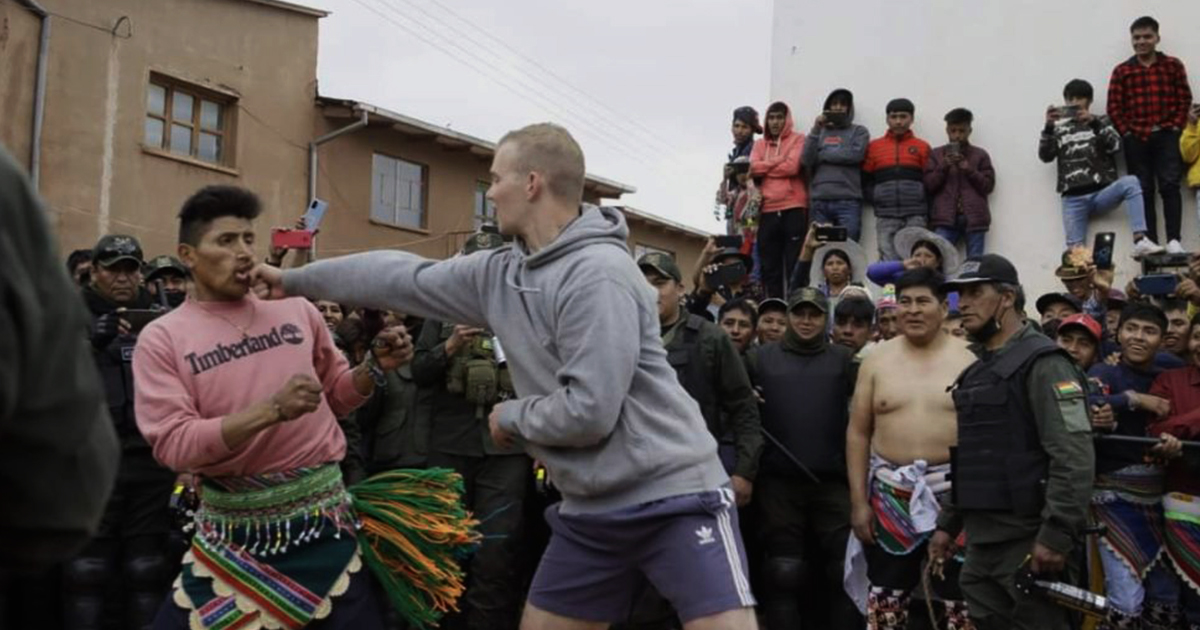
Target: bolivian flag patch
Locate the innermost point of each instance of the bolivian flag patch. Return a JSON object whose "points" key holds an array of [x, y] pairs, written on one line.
{"points": [[1068, 389]]}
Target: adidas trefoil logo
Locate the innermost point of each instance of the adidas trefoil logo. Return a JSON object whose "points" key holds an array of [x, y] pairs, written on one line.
{"points": [[705, 534]]}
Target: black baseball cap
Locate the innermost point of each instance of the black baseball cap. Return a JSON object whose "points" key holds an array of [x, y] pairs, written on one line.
{"points": [[772, 304], [662, 264], [985, 268], [1048, 299], [733, 252], [113, 248]]}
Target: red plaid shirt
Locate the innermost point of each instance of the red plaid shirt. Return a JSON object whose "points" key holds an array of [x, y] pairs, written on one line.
{"points": [[1141, 98]]}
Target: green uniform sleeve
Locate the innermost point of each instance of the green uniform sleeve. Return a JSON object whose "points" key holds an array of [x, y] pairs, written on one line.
{"points": [[429, 363], [739, 405], [750, 361], [354, 468], [1058, 398]]}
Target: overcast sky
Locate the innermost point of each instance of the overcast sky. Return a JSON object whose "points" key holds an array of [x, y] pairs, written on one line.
{"points": [[646, 86]]}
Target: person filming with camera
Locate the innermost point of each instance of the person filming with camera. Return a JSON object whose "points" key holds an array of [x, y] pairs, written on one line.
{"points": [[1085, 147]]}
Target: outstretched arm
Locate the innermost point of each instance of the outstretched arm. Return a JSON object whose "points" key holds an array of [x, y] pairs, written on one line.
{"points": [[448, 290]]}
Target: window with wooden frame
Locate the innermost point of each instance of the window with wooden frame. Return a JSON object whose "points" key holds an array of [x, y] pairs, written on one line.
{"points": [[189, 121], [398, 191]]}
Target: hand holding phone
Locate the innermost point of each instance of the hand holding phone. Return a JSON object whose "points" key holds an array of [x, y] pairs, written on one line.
{"points": [[728, 241], [831, 233], [291, 239], [1069, 112], [725, 275], [316, 212], [138, 318], [1102, 250], [1052, 114], [1157, 284]]}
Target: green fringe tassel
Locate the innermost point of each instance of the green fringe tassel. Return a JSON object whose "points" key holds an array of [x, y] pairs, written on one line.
{"points": [[414, 533]]}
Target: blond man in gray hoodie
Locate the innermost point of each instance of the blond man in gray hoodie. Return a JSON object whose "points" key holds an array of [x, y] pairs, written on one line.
{"points": [[644, 493]]}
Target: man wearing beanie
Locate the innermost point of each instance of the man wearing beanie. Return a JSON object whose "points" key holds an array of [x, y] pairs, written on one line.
{"points": [[894, 168], [775, 169], [833, 155]]}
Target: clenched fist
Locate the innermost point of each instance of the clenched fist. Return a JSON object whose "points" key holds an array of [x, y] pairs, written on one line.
{"points": [[300, 395]]}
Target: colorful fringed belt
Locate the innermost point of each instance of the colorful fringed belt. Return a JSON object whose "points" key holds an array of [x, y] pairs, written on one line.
{"points": [[1129, 503], [1139, 483], [1182, 513], [271, 551]]}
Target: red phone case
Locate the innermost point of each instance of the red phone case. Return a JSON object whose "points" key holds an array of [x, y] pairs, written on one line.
{"points": [[291, 239]]}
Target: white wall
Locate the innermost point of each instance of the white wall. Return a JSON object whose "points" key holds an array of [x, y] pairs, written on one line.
{"points": [[1005, 60]]}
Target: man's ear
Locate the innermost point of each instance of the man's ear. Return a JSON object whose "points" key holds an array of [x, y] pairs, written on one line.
{"points": [[533, 185], [187, 255]]}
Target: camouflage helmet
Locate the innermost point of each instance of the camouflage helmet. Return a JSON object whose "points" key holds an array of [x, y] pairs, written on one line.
{"points": [[155, 266], [482, 240]]}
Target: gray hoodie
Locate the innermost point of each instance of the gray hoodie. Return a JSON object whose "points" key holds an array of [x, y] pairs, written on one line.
{"points": [[597, 402], [833, 157]]}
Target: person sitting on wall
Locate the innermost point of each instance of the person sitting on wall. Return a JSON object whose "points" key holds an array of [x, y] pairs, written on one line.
{"points": [[1085, 147]]}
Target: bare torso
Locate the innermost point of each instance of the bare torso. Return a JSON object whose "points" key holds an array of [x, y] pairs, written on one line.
{"points": [[914, 415]]}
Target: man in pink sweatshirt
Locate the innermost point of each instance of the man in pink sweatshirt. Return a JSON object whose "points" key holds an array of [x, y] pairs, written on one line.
{"points": [[775, 168], [245, 395]]}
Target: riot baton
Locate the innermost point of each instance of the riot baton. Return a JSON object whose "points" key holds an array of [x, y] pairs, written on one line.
{"points": [[1134, 439], [162, 294], [788, 454]]}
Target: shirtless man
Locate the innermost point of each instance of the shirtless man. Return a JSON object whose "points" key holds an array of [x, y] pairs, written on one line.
{"points": [[902, 424]]}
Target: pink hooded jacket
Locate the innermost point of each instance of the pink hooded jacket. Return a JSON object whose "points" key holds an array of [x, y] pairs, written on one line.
{"points": [[775, 163]]}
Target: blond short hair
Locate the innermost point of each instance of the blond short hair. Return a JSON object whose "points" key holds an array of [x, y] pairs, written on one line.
{"points": [[550, 150]]}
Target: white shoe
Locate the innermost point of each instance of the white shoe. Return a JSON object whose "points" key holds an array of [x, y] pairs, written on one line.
{"points": [[1174, 247], [1147, 247]]}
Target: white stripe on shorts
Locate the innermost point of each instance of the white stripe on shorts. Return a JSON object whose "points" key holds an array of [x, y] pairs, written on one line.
{"points": [[725, 526]]}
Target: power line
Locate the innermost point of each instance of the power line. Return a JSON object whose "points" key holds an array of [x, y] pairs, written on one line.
{"points": [[557, 110], [617, 119], [551, 106], [111, 30]]}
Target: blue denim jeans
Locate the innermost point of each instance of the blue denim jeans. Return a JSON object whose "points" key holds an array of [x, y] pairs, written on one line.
{"points": [[885, 233], [843, 212], [959, 231], [1077, 209], [1197, 191]]}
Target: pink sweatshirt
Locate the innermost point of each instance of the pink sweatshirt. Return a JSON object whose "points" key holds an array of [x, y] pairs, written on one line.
{"points": [[776, 163], [193, 367]]}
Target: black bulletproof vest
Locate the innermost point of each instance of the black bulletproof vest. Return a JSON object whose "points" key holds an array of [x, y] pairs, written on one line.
{"points": [[999, 463], [687, 357]]}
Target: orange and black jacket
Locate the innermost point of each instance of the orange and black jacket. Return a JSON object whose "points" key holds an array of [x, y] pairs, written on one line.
{"points": [[893, 175]]}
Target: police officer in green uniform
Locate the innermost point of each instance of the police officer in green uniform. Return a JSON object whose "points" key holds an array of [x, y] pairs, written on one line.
{"points": [[712, 371], [123, 575], [1022, 469], [714, 374], [463, 369]]}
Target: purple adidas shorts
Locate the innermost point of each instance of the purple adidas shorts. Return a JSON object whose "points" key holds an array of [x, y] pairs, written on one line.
{"points": [[687, 546]]}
